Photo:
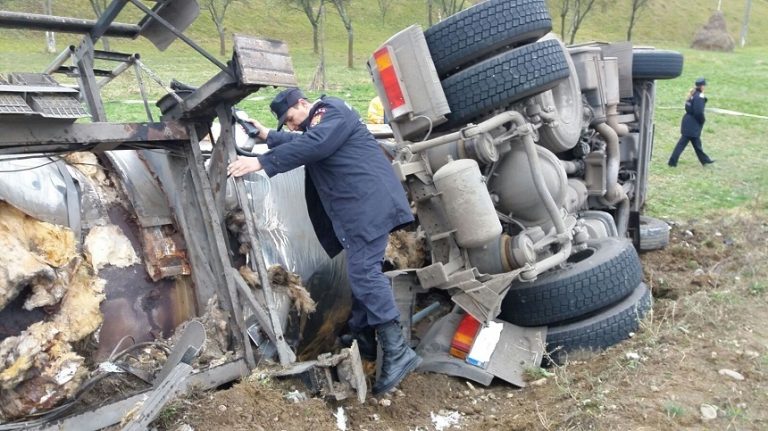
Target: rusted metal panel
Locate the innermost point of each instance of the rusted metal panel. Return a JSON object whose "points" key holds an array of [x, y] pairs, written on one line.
{"points": [[178, 13], [175, 175], [60, 24], [92, 136], [165, 254], [263, 62]]}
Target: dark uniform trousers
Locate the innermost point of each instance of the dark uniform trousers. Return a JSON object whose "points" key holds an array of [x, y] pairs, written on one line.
{"points": [[680, 147], [353, 198], [373, 302], [690, 129]]}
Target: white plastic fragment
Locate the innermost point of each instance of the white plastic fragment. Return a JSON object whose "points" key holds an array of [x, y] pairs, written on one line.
{"points": [[732, 374], [485, 344], [445, 419], [708, 412], [341, 419]]}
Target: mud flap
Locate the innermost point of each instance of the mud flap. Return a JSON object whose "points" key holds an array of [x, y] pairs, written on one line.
{"points": [[519, 348], [339, 376]]}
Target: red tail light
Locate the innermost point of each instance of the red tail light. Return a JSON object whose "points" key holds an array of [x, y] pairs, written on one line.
{"points": [[464, 337], [390, 82]]}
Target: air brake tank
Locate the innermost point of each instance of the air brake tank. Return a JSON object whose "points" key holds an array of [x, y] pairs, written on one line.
{"points": [[467, 203], [513, 184]]}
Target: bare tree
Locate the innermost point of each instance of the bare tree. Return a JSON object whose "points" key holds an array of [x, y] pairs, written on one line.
{"points": [[99, 6], [581, 9], [341, 7], [50, 37], [745, 23], [218, 10], [308, 7], [637, 5], [319, 81], [384, 8], [429, 11], [565, 6]]}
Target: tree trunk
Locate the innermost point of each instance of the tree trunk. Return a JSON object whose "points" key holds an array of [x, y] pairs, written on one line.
{"points": [[563, 16], [429, 12], [347, 21], [350, 50], [631, 22], [222, 41], [315, 43], [745, 23], [319, 80], [50, 37]]}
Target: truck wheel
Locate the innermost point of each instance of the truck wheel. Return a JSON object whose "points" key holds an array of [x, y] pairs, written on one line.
{"points": [[601, 330], [606, 271], [497, 82], [484, 28], [656, 64], [654, 233], [565, 101]]}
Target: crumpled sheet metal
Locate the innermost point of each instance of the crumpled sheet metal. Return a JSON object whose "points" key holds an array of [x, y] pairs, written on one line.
{"points": [[143, 190], [285, 230], [36, 186], [288, 239]]}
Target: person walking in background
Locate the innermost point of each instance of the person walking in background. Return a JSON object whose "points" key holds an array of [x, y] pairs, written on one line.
{"points": [[693, 122]]}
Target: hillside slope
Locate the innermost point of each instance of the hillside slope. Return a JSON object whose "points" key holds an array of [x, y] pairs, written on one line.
{"points": [[669, 23]]}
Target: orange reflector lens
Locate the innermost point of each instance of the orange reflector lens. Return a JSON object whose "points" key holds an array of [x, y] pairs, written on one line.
{"points": [[389, 78], [383, 59]]}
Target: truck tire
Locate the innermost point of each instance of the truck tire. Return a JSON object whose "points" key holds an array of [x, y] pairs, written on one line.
{"points": [[497, 82], [565, 100], [654, 234], [484, 28], [601, 330], [606, 271], [656, 64]]}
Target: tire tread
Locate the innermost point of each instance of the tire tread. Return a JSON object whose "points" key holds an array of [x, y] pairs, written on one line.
{"points": [[484, 28]]}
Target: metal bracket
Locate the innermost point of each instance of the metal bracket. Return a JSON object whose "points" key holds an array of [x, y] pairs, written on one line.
{"points": [[284, 352], [483, 299], [319, 376]]}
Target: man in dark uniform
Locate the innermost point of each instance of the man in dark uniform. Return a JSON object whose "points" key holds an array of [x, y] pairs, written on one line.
{"points": [[693, 122], [354, 201]]}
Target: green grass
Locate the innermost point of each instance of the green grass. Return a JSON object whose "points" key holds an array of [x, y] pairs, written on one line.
{"points": [[737, 81], [674, 411], [738, 178]]}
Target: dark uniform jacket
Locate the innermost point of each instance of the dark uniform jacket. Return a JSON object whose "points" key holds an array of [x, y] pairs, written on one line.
{"points": [[351, 189], [693, 120]]}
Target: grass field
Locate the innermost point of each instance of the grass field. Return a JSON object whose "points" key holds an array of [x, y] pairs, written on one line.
{"points": [[737, 82]]}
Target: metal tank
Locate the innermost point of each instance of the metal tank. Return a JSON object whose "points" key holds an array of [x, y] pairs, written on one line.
{"points": [[467, 203], [513, 184]]}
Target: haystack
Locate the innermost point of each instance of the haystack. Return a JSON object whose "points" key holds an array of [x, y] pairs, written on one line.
{"points": [[713, 36]]}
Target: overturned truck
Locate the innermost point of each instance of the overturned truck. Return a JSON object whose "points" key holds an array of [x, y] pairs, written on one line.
{"points": [[527, 163], [135, 269]]}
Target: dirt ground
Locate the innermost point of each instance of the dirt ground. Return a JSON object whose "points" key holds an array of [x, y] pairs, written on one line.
{"points": [[699, 362]]}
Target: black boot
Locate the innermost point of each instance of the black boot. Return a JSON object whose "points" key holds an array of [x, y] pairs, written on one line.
{"points": [[399, 359], [366, 342]]}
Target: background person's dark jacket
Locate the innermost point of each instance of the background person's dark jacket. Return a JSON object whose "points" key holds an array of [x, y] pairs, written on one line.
{"points": [[693, 120], [351, 189]]}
